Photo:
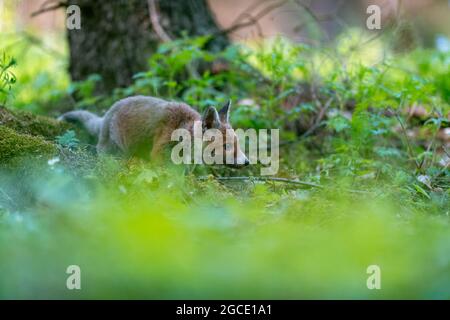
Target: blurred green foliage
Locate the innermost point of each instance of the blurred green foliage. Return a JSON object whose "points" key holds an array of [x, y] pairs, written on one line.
{"points": [[40, 67], [148, 232]]}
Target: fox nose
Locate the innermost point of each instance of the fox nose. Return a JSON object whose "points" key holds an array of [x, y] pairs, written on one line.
{"points": [[246, 163]]}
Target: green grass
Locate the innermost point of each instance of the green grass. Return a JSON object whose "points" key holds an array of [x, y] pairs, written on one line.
{"points": [[153, 233]]}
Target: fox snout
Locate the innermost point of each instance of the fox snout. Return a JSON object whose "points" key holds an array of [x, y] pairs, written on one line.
{"points": [[245, 164], [239, 161]]}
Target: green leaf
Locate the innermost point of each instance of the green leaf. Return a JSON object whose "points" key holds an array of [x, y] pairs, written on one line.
{"points": [[421, 191]]}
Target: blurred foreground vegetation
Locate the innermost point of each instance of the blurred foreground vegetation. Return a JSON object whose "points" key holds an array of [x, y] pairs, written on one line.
{"points": [[140, 231]]}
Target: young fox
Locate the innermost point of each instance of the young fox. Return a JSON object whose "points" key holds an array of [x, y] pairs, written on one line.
{"points": [[143, 125]]}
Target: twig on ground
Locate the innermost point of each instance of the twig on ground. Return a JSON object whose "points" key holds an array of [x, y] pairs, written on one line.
{"points": [[249, 178], [275, 179]]}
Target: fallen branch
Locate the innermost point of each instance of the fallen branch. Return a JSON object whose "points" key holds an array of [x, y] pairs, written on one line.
{"points": [[248, 178], [275, 179]]}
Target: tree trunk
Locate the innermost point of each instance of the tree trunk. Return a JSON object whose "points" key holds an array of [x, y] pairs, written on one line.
{"points": [[117, 37], [193, 17]]}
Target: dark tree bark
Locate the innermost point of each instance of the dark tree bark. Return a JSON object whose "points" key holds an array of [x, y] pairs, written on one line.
{"points": [[193, 17], [117, 37]]}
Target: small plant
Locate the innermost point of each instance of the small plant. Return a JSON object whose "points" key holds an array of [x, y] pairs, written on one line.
{"points": [[7, 77], [68, 140]]}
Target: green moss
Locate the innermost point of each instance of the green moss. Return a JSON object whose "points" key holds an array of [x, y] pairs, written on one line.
{"points": [[14, 145], [31, 124]]}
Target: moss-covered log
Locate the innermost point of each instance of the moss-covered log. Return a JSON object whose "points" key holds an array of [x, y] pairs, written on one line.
{"points": [[14, 145], [25, 135], [31, 124]]}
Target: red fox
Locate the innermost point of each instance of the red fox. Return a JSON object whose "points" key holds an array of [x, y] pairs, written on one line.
{"points": [[142, 125]]}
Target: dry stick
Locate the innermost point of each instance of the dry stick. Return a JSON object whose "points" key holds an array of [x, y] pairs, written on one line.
{"points": [[44, 8], [285, 180], [275, 179]]}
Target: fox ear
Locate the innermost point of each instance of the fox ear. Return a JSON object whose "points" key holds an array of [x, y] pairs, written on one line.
{"points": [[211, 118], [224, 113]]}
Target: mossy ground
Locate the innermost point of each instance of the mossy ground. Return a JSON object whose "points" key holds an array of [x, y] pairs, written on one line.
{"points": [[23, 134], [15, 145], [35, 125]]}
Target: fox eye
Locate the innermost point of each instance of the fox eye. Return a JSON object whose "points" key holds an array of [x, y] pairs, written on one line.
{"points": [[228, 146]]}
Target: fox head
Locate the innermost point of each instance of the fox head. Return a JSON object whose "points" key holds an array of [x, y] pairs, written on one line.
{"points": [[227, 147]]}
